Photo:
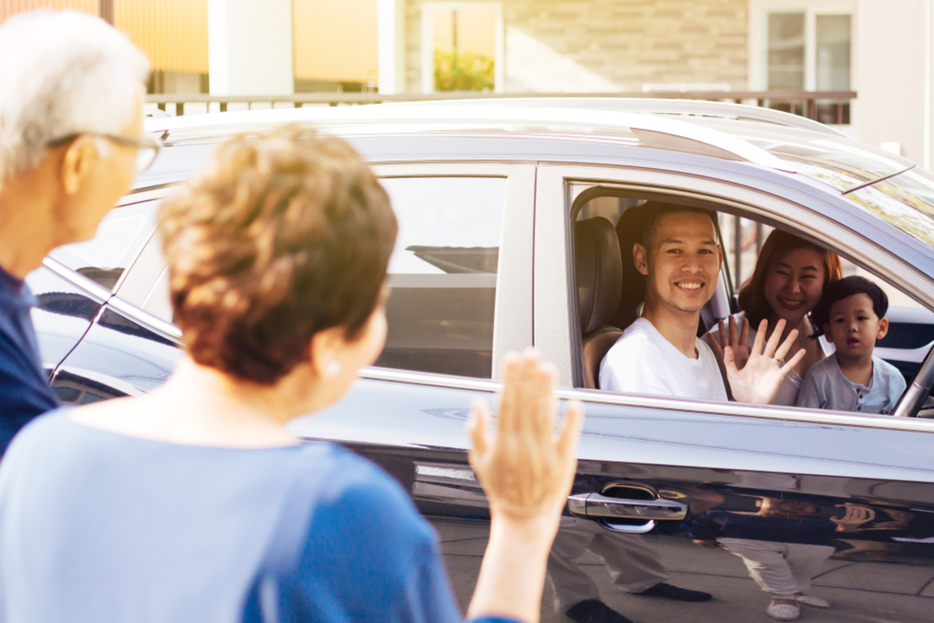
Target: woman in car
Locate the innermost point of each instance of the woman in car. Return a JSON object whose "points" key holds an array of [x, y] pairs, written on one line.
{"points": [[786, 284], [194, 502]]}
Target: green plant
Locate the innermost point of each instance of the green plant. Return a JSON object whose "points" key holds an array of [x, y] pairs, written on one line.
{"points": [[463, 71]]}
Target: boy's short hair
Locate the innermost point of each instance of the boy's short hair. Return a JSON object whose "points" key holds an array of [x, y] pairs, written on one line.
{"points": [[845, 288]]}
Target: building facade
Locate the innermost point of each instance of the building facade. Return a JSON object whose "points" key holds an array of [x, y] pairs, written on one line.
{"points": [[881, 50]]}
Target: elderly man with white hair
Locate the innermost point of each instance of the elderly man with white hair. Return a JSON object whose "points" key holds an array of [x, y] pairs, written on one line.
{"points": [[71, 142]]}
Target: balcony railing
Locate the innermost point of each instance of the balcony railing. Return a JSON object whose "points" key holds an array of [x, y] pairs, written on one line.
{"points": [[830, 107]]}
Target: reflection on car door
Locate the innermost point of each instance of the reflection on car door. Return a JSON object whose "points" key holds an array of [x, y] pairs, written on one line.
{"points": [[845, 507]]}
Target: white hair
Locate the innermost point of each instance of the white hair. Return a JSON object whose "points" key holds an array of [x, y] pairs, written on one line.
{"points": [[61, 73]]}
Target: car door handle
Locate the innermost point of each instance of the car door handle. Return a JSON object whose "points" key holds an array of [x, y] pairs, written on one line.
{"points": [[604, 507]]}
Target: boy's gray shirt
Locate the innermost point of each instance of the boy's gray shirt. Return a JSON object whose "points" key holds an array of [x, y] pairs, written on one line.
{"points": [[825, 387]]}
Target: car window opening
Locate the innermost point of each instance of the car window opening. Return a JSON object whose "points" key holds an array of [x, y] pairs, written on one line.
{"points": [[611, 291]]}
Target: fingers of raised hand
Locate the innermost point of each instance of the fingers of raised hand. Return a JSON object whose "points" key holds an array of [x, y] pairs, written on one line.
{"points": [[732, 331], [729, 360], [510, 394], [795, 360], [759, 342], [570, 434], [785, 346], [772, 345], [543, 418], [744, 334], [527, 469], [477, 426], [720, 338], [715, 343]]}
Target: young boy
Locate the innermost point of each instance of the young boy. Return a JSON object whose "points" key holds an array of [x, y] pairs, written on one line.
{"points": [[852, 314]]}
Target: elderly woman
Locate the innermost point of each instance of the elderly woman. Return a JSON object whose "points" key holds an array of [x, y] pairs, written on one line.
{"points": [[194, 503], [786, 284]]}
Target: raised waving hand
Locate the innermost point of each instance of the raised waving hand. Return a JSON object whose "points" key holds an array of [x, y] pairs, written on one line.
{"points": [[737, 340], [765, 369], [526, 470]]}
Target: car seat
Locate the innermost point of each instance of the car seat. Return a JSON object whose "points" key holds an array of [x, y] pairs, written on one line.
{"points": [[599, 282], [632, 282]]}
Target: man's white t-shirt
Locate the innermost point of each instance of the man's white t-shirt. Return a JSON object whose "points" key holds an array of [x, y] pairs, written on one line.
{"points": [[642, 361]]}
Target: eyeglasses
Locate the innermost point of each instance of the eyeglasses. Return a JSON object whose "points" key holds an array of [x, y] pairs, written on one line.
{"points": [[148, 147]]}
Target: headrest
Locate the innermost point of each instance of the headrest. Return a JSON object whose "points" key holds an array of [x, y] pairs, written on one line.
{"points": [[629, 232], [599, 273]]}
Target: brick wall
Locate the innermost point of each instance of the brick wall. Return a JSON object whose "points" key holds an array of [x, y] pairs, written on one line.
{"points": [[610, 45]]}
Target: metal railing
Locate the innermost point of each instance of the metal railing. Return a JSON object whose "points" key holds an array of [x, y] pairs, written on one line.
{"points": [[831, 107]]}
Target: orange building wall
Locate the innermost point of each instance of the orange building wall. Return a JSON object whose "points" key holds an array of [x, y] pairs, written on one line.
{"points": [[10, 7], [172, 33], [334, 40]]}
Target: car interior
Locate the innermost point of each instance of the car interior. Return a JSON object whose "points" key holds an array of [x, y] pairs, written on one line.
{"points": [[610, 291]]}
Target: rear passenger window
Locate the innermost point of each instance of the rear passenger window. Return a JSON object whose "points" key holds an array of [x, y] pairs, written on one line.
{"points": [[443, 274], [120, 236]]}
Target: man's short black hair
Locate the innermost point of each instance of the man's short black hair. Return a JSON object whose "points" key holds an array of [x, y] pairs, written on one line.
{"points": [[652, 213], [844, 289]]}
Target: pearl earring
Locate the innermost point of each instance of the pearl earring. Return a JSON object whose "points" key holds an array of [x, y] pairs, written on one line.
{"points": [[333, 368]]}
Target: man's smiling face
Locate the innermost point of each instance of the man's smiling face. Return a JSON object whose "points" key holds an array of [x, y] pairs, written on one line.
{"points": [[682, 262]]}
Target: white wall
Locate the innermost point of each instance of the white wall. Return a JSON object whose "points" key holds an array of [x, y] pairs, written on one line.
{"points": [[390, 20], [890, 74], [250, 47]]}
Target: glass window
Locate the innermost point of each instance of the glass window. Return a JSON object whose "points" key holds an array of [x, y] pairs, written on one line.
{"points": [[104, 258], [833, 52], [786, 52], [809, 50], [443, 274]]}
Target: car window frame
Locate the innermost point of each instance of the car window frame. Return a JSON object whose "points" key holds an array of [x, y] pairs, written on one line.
{"points": [[558, 188], [512, 320]]}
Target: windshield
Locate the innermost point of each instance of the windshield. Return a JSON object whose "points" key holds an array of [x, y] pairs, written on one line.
{"points": [[906, 201]]}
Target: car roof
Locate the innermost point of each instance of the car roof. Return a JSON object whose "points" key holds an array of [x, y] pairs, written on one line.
{"points": [[761, 137]]}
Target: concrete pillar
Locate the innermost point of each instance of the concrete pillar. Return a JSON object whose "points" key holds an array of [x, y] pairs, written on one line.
{"points": [[390, 15], [250, 47]]}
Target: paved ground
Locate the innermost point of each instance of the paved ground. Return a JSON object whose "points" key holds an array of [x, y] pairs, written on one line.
{"points": [[873, 592]]}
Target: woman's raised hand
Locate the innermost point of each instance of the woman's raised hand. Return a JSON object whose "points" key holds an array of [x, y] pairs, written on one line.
{"points": [[758, 381], [738, 343], [526, 469]]}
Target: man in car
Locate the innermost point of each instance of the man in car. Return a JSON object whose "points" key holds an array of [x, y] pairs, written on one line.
{"points": [[71, 131], [660, 352]]}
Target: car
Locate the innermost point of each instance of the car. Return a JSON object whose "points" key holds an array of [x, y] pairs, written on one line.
{"points": [[508, 213]]}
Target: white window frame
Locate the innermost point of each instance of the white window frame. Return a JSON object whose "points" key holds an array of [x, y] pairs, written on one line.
{"points": [[428, 41], [759, 11]]}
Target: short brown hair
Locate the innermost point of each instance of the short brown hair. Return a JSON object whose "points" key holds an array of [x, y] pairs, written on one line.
{"points": [[286, 234], [752, 293]]}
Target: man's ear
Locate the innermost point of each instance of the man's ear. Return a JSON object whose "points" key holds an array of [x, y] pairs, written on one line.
{"points": [[76, 163], [640, 258], [883, 328]]}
